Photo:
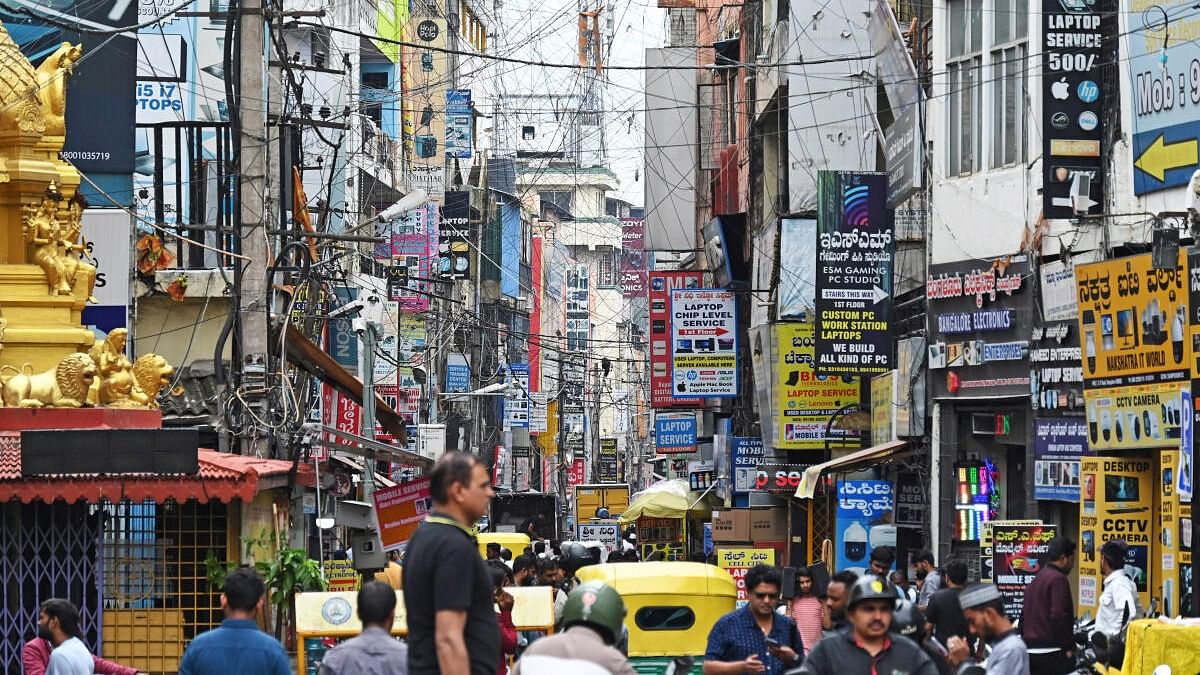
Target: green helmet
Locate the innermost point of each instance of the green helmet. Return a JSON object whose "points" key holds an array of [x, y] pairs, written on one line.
{"points": [[598, 605], [871, 587]]}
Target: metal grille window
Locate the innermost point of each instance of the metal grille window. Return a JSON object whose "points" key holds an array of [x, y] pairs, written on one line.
{"points": [[156, 593], [563, 199], [964, 69]]}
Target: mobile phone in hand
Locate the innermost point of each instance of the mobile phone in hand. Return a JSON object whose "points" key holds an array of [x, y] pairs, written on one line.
{"points": [[773, 643]]}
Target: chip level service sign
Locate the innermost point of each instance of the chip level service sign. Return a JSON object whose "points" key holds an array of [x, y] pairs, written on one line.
{"points": [[703, 343]]}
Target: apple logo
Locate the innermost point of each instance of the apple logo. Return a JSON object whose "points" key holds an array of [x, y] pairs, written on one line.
{"points": [[1061, 90]]}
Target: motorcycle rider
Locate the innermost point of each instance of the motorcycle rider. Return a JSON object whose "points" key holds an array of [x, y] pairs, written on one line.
{"points": [[867, 646], [593, 617]]}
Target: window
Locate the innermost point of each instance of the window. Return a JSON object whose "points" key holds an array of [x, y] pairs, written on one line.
{"points": [[964, 66], [528, 133], [664, 618], [1009, 81], [374, 91], [563, 199], [606, 275]]}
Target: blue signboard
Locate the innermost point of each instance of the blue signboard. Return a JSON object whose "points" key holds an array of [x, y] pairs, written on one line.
{"points": [[342, 343], [748, 454], [675, 432], [1057, 446], [864, 521], [1164, 97], [458, 378]]}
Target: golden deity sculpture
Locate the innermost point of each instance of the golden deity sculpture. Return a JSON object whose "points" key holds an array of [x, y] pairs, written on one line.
{"points": [[48, 358]]}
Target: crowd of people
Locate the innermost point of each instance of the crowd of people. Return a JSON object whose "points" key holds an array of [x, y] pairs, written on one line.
{"points": [[459, 609]]}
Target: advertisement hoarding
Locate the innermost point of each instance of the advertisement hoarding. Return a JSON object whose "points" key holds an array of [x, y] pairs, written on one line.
{"points": [[1017, 552], [1137, 416], [747, 453], [804, 401], [661, 371], [1115, 503], [1057, 446], [674, 432], [864, 522], [607, 532], [633, 258], [399, 510], [738, 561], [855, 248], [703, 343], [1132, 321]]}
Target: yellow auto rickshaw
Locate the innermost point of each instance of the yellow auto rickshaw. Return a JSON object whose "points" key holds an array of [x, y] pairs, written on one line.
{"points": [[672, 607], [513, 541]]}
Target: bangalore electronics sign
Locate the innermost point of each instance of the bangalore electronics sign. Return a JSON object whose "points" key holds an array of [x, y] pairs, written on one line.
{"points": [[855, 248], [704, 343]]}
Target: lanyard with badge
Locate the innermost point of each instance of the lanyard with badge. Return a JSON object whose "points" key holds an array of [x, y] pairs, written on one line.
{"points": [[442, 520]]}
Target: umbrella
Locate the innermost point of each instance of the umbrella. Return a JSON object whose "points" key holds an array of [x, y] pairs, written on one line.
{"points": [[665, 499]]}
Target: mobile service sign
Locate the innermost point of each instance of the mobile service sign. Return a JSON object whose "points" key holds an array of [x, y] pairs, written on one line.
{"points": [[703, 343]]}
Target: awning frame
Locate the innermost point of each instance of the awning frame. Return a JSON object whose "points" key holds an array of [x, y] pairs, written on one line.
{"points": [[876, 454]]}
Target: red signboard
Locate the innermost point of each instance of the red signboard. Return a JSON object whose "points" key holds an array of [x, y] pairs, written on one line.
{"points": [[340, 412], [575, 476], [633, 258], [661, 376]]}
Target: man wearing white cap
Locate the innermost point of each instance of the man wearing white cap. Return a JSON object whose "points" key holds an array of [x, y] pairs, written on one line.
{"points": [[984, 608]]}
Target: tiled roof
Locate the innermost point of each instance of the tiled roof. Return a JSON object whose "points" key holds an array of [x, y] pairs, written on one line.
{"points": [[222, 476]]}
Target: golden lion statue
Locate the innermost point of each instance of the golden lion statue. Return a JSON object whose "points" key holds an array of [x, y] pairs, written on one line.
{"points": [[153, 374], [66, 386]]}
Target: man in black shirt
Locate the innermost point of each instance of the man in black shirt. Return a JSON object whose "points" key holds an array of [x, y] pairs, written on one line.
{"points": [[452, 628], [944, 616]]}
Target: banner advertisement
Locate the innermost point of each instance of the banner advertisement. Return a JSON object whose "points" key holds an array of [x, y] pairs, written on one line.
{"points": [[864, 522], [1167, 543], [1017, 551], [608, 461], [1116, 503], [747, 453], [855, 247], [1132, 319], [805, 401], [1059, 298], [980, 317], [1073, 102], [1137, 416], [607, 532], [633, 258], [399, 510], [776, 477], [1057, 446], [883, 392], [985, 545], [576, 473], [516, 402], [1164, 122], [1056, 371], [738, 561], [797, 279], [674, 432], [425, 66], [539, 402], [412, 238], [704, 343], [454, 236], [460, 121], [661, 370]]}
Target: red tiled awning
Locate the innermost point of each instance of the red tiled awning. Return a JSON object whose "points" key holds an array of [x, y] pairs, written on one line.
{"points": [[222, 476]]}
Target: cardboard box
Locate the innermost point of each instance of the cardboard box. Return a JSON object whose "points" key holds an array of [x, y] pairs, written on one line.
{"points": [[768, 524], [731, 525]]}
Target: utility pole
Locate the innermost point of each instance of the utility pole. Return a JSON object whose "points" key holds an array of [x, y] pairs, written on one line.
{"points": [[370, 330], [254, 304], [563, 457], [595, 423]]}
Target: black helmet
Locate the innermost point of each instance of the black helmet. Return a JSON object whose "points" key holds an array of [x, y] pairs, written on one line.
{"points": [[908, 621], [574, 556], [871, 587]]}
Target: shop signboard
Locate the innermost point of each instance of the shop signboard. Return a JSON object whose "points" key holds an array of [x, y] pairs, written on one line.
{"points": [[575, 475], [747, 454], [661, 370], [1017, 555], [1058, 443], [737, 561], [607, 532], [855, 248], [1140, 416], [864, 522], [340, 575], [1073, 49], [985, 545], [454, 236], [633, 258], [516, 403], [608, 464], [460, 122], [912, 500], [674, 432], [883, 391], [776, 477], [979, 322], [805, 402], [1056, 371], [703, 343], [1132, 321], [1116, 502], [458, 374], [1167, 543], [399, 510]]}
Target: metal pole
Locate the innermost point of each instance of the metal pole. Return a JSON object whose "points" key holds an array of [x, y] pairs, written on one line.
{"points": [[368, 404], [563, 457], [1195, 587]]}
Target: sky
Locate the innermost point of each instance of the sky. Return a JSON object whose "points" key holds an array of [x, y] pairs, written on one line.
{"points": [[537, 30]]}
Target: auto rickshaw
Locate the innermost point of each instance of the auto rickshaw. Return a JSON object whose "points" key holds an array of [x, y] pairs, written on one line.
{"points": [[672, 607], [513, 541]]}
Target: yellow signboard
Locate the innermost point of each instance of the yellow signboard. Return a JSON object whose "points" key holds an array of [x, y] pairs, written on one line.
{"points": [[1133, 321], [1138, 416], [737, 561], [805, 401], [1166, 544], [883, 388], [1116, 502]]}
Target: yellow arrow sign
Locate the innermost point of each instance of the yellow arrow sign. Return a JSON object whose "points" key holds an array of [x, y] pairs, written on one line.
{"points": [[1160, 157]]}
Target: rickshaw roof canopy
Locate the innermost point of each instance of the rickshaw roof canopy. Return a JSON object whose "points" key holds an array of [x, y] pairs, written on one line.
{"points": [[662, 578], [665, 499]]}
